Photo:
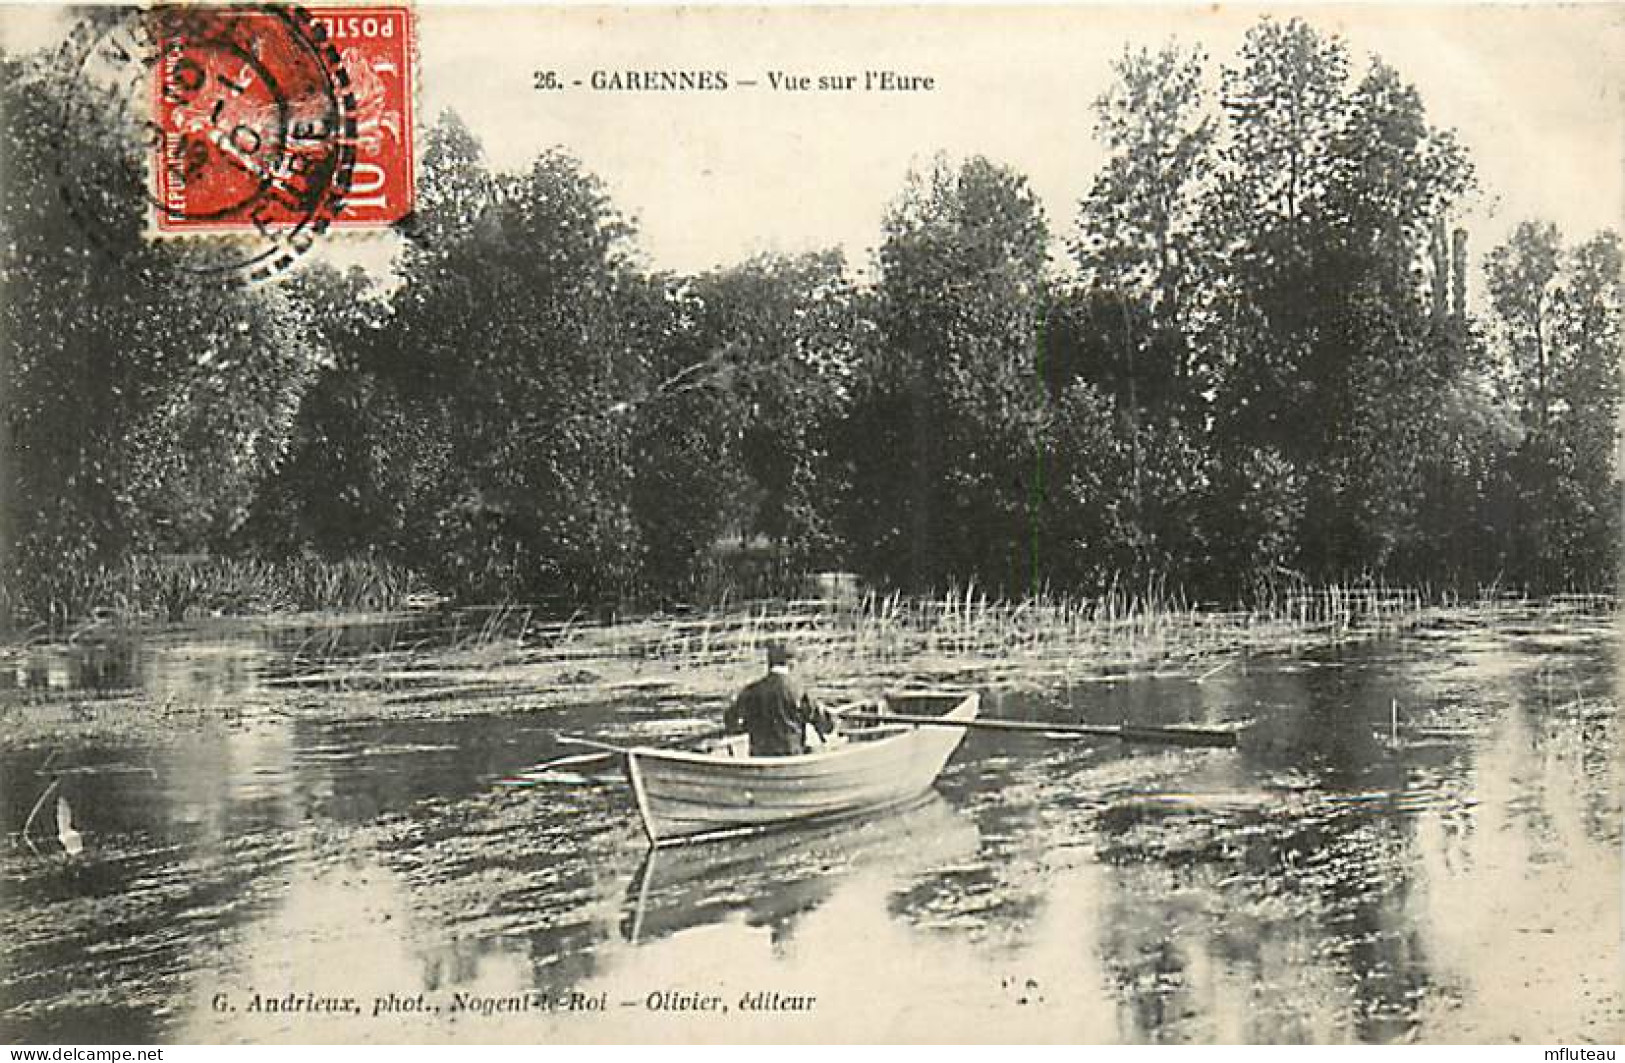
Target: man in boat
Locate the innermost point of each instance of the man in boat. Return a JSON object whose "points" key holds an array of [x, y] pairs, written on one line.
{"points": [[775, 711]]}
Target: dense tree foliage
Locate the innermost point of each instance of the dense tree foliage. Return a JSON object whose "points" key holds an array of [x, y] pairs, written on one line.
{"points": [[144, 404], [1258, 363], [945, 437], [1558, 310]]}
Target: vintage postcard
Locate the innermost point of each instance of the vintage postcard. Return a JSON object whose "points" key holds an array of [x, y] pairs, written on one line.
{"points": [[553, 523]]}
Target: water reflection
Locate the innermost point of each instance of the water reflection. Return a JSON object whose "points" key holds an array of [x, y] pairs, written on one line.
{"points": [[222, 657], [772, 880], [1320, 884]]}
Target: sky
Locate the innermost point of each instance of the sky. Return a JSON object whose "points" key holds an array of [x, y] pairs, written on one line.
{"points": [[1536, 93]]}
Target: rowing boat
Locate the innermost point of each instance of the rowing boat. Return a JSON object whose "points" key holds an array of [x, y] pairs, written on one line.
{"points": [[869, 765]]}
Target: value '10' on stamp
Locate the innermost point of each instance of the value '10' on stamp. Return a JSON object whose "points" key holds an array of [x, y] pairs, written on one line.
{"points": [[270, 116]]}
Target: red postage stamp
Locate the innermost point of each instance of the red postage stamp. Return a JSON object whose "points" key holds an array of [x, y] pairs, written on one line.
{"points": [[269, 116]]}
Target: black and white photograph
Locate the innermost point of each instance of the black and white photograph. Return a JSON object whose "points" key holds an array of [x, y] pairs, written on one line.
{"points": [[549, 524]]}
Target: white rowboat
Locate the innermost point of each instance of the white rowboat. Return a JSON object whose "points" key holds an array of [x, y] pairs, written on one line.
{"points": [[870, 765]]}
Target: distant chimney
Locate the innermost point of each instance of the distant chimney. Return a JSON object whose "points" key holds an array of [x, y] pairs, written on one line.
{"points": [[1458, 263]]}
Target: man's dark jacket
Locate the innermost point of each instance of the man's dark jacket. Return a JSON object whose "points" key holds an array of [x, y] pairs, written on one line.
{"points": [[774, 711]]}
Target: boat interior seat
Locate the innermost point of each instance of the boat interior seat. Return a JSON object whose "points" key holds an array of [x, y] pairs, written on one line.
{"points": [[739, 745], [876, 731]]}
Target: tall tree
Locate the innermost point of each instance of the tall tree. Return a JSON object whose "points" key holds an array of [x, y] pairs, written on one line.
{"points": [[1138, 247], [1326, 206], [948, 414], [373, 463], [1588, 383], [1384, 360], [454, 190], [1589, 388], [785, 330], [507, 337], [688, 483], [339, 491], [1284, 105], [1559, 314], [1522, 276], [1128, 330]]}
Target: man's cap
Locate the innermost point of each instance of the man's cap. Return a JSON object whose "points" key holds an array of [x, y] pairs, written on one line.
{"points": [[779, 653]]}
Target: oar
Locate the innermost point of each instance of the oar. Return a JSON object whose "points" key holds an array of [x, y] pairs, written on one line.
{"points": [[575, 761], [1179, 736], [561, 767], [609, 749]]}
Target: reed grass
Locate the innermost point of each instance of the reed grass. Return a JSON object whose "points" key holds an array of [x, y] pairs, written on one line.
{"points": [[961, 636], [1125, 627]]}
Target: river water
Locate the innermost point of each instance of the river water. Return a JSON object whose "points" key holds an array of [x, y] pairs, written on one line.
{"points": [[250, 867]]}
